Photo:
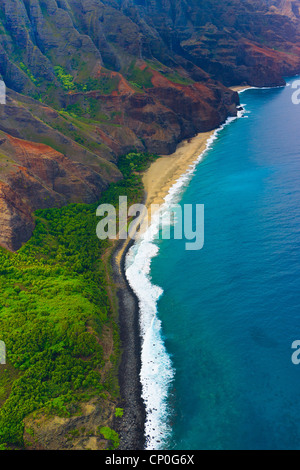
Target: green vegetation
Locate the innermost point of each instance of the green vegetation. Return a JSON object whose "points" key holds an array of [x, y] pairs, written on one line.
{"points": [[28, 73], [110, 435], [139, 78], [66, 80], [171, 74], [87, 110], [104, 84], [175, 77], [132, 165], [119, 412], [55, 300], [53, 306]]}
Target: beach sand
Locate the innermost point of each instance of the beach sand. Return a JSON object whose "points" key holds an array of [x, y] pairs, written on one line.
{"points": [[240, 88], [165, 171]]}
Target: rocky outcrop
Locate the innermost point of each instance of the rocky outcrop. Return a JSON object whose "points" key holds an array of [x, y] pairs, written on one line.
{"points": [[16, 219], [289, 8], [78, 432], [235, 42]]}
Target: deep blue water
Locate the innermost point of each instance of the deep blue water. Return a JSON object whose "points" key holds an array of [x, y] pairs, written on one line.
{"points": [[231, 311]]}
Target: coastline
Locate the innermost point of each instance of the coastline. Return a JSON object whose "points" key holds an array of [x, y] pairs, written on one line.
{"points": [[131, 428], [166, 170], [158, 180], [240, 88]]}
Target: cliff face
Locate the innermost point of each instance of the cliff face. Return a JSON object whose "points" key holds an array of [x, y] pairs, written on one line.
{"points": [[289, 8], [234, 41], [35, 176], [89, 80]]}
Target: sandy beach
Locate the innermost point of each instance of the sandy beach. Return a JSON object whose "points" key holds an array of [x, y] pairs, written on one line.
{"points": [[240, 88], [165, 171]]}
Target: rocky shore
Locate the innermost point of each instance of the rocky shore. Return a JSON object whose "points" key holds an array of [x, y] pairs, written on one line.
{"points": [[131, 427]]}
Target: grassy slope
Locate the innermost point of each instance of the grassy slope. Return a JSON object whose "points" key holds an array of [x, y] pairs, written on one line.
{"points": [[55, 300]]}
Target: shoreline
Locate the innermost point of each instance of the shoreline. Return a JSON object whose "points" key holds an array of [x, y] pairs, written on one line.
{"points": [[166, 170], [240, 88], [132, 426], [158, 180]]}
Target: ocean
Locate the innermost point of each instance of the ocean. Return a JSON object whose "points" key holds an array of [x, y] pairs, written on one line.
{"points": [[218, 324]]}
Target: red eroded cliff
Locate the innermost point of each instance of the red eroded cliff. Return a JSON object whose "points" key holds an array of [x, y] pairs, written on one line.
{"points": [[35, 176]]}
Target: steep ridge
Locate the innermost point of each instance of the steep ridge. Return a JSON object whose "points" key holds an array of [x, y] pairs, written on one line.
{"points": [[89, 80], [38, 177], [290, 8]]}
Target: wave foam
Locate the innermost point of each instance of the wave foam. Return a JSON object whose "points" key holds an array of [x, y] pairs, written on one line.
{"points": [[157, 372]]}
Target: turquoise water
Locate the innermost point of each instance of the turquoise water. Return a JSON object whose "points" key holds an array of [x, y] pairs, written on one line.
{"points": [[230, 312]]}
